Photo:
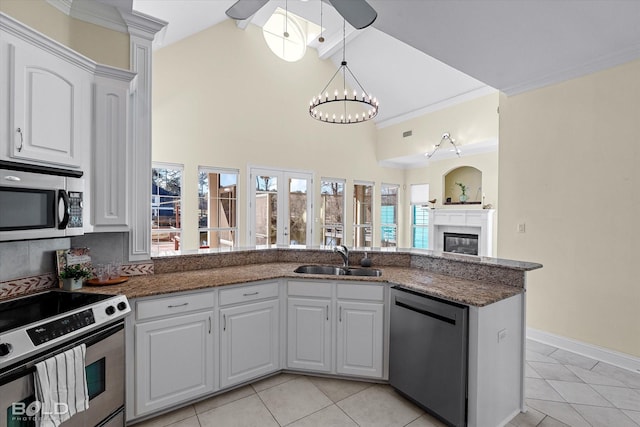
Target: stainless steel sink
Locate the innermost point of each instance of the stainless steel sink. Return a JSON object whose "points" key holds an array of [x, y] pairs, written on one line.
{"points": [[338, 271], [371, 272], [321, 269]]}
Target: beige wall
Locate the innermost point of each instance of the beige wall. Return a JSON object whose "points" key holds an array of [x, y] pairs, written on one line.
{"points": [[98, 43], [469, 122], [222, 99], [570, 171]]}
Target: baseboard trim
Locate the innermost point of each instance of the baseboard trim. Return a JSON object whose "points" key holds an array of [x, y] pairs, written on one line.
{"points": [[612, 357]]}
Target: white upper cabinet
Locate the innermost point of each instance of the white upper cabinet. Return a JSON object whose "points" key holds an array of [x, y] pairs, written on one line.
{"points": [[111, 145], [46, 105]]}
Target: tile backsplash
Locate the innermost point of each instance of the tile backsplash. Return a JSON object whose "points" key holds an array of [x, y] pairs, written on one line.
{"points": [[28, 258]]}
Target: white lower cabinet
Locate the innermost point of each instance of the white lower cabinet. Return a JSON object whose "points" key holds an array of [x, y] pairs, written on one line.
{"points": [[309, 334], [174, 360], [336, 328], [173, 351], [249, 341], [360, 339]]}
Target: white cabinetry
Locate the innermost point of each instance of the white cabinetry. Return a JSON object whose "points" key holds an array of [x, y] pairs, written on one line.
{"points": [[111, 144], [174, 356], [45, 96], [360, 330], [250, 332], [336, 328], [309, 334]]}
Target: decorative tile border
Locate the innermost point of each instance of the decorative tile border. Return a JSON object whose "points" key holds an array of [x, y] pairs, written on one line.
{"points": [[138, 269], [17, 287]]}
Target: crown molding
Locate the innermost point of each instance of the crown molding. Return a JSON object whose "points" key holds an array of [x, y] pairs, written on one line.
{"points": [[92, 12], [142, 25]]}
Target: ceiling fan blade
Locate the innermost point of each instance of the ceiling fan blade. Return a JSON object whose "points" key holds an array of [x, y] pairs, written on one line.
{"points": [[358, 13], [243, 9]]}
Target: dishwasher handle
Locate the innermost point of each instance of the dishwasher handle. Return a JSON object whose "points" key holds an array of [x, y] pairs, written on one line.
{"points": [[425, 312]]}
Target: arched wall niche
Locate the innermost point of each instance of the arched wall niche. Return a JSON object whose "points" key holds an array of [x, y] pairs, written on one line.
{"points": [[470, 177]]}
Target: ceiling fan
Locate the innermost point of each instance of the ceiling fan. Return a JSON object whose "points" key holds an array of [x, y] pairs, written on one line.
{"points": [[358, 13]]}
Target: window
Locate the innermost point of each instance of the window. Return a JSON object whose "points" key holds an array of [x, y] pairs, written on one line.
{"points": [[217, 208], [332, 211], [362, 215], [166, 200], [420, 216], [389, 215]]}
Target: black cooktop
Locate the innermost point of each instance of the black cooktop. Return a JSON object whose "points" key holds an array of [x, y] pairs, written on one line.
{"points": [[33, 308]]}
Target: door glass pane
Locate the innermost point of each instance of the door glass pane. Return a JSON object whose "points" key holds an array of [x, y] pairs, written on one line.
{"points": [[297, 211], [166, 197], [389, 215], [266, 203]]}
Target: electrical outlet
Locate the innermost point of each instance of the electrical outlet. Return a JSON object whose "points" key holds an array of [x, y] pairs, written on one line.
{"points": [[522, 228], [502, 334]]}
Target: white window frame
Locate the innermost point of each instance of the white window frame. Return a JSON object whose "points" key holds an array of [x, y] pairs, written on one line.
{"points": [[373, 213], [235, 230], [418, 198], [397, 207], [324, 226], [177, 231]]}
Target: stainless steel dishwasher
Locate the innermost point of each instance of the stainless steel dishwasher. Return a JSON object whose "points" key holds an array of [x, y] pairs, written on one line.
{"points": [[428, 353]]}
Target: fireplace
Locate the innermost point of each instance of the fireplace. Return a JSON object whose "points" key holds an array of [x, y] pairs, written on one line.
{"points": [[475, 224], [461, 243]]}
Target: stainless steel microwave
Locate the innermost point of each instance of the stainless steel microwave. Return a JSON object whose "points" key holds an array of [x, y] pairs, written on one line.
{"points": [[38, 205]]}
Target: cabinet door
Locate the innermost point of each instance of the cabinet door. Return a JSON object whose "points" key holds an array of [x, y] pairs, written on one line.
{"points": [[309, 334], [109, 196], [173, 360], [50, 107], [249, 341], [360, 339]]}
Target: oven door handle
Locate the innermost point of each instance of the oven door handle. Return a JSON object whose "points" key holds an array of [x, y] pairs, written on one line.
{"points": [[64, 212]]}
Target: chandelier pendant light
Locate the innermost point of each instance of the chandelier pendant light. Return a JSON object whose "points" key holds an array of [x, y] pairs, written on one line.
{"points": [[445, 137], [344, 106]]}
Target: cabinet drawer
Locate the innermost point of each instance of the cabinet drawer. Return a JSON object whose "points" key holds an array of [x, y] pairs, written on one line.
{"points": [[310, 289], [175, 304], [248, 293], [360, 292]]}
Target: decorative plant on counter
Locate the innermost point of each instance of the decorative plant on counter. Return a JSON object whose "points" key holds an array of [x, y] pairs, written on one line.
{"points": [[463, 188], [73, 275], [76, 271]]}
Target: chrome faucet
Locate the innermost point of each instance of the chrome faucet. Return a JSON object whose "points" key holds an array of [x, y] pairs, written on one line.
{"points": [[344, 253]]}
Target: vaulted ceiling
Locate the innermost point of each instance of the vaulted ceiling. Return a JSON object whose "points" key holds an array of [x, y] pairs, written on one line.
{"points": [[420, 56]]}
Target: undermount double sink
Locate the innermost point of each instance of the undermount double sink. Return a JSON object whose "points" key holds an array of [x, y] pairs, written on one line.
{"points": [[332, 270]]}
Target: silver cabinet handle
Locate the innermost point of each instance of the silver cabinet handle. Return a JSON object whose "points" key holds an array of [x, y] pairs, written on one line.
{"points": [[249, 294], [327, 311], [224, 322], [209, 325], [178, 305], [19, 130], [340, 316]]}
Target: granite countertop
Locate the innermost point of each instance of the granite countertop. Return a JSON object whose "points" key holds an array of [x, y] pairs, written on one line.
{"points": [[469, 292]]}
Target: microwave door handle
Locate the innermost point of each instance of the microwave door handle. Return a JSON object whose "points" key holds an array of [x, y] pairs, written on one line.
{"points": [[64, 198]]}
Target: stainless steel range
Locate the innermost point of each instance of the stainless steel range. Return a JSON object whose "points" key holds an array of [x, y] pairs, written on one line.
{"points": [[39, 326]]}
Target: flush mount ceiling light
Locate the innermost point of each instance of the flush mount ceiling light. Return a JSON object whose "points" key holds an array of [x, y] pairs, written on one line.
{"points": [[445, 137], [344, 106]]}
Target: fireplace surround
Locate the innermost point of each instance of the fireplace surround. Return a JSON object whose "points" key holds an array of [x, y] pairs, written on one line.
{"points": [[462, 221]]}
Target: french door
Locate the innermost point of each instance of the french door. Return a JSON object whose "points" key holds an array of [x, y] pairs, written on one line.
{"points": [[280, 207]]}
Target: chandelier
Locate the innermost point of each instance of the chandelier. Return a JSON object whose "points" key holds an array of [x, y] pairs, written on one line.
{"points": [[445, 137], [343, 106]]}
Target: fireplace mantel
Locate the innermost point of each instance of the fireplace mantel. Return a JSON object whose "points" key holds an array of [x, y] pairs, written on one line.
{"points": [[472, 221]]}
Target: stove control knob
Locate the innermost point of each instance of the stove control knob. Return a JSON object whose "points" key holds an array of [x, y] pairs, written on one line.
{"points": [[122, 305], [5, 349], [110, 310]]}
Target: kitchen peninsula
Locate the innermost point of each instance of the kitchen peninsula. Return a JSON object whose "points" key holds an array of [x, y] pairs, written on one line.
{"points": [[232, 317]]}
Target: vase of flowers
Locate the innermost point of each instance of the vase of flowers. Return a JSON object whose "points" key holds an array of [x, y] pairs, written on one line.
{"points": [[73, 275], [463, 188]]}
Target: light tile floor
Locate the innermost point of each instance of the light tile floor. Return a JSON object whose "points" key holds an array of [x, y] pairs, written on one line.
{"points": [[561, 389]]}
